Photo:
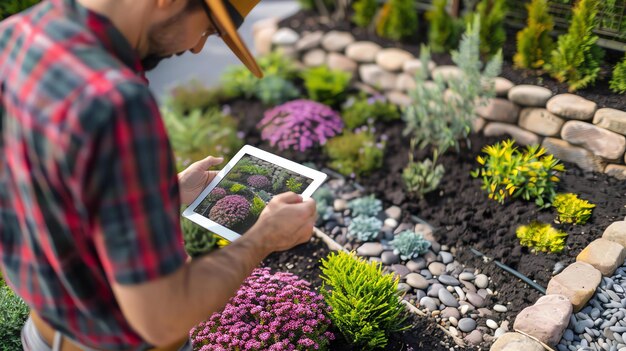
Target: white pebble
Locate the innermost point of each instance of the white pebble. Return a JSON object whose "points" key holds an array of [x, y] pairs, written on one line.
{"points": [[492, 324], [453, 321], [391, 223], [464, 309], [500, 308], [453, 331]]}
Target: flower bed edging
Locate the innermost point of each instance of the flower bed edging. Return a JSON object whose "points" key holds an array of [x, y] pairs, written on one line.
{"points": [[577, 283], [530, 114]]}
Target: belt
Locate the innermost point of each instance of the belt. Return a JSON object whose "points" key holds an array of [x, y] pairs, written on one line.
{"points": [[47, 333]]}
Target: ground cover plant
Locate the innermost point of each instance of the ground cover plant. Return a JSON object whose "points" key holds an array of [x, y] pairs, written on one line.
{"points": [[409, 244], [541, 237], [365, 303], [572, 209], [269, 312], [355, 154], [363, 110], [325, 85]]}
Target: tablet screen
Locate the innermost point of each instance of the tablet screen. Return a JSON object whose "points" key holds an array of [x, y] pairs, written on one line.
{"points": [[238, 199]]}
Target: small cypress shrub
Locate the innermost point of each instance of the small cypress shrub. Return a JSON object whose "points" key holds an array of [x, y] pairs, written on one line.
{"points": [[618, 82], [364, 12], [398, 19], [444, 30], [534, 43], [365, 303], [576, 59], [492, 33]]}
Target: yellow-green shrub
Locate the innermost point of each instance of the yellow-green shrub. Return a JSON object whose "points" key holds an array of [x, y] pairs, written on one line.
{"points": [[398, 19], [534, 43], [355, 154], [444, 31], [541, 237], [571, 209], [364, 12], [492, 33], [618, 82]]}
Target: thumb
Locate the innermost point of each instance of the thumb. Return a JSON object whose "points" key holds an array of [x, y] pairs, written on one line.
{"points": [[208, 162]]}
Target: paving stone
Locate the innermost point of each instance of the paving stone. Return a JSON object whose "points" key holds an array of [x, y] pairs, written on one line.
{"points": [[314, 58], [363, 51], [405, 82], [399, 98], [572, 107], [263, 40], [516, 342], [540, 121], [394, 212], [499, 110], [447, 72], [577, 282], [413, 65], [601, 142], [529, 95], [520, 135], [285, 37], [337, 41], [616, 232], [502, 86], [416, 280], [340, 62], [603, 254], [611, 119], [565, 151], [546, 319], [617, 171], [370, 249], [375, 76], [392, 59], [447, 298], [310, 41], [437, 268], [466, 325], [388, 257]]}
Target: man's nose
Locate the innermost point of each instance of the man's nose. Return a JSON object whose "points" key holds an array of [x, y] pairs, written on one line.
{"points": [[196, 49]]}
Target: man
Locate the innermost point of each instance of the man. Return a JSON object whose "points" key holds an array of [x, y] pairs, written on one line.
{"points": [[89, 197]]}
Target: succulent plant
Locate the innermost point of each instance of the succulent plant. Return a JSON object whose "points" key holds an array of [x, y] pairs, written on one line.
{"points": [[365, 228], [258, 181], [410, 244], [230, 211], [294, 185], [264, 195], [300, 125], [217, 193], [323, 194], [367, 206], [324, 211]]}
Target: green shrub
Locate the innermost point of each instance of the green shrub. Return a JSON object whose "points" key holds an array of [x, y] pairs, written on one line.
{"points": [[444, 31], [492, 33], [398, 19], [508, 172], [193, 96], [571, 209], [200, 134], [355, 154], [13, 315], [362, 110], [364, 228], [198, 241], [237, 188], [279, 181], [618, 82], [273, 90], [11, 7], [541, 237], [576, 59], [264, 195], [410, 244], [325, 85], [293, 185], [251, 169], [534, 42], [368, 206], [364, 12], [365, 303], [448, 115], [257, 206], [422, 177]]}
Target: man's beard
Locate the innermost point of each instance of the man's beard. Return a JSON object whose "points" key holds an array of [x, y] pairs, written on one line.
{"points": [[150, 62]]}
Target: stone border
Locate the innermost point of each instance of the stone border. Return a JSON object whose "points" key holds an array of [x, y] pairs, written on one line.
{"points": [[567, 125], [568, 292]]}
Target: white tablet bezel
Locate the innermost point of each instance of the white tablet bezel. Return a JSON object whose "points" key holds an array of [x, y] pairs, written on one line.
{"points": [[228, 234]]}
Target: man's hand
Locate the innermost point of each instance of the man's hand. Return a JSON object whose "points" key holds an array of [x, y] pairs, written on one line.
{"points": [[196, 177], [285, 222]]}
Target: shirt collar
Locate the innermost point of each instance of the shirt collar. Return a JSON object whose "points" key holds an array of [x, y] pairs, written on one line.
{"points": [[104, 30]]}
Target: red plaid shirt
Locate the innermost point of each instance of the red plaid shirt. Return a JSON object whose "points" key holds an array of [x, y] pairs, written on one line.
{"points": [[88, 188]]}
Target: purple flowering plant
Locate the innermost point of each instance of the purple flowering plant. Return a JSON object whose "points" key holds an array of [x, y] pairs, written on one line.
{"points": [[258, 181], [230, 211], [217, 194], [269, 312], [300, 125]]}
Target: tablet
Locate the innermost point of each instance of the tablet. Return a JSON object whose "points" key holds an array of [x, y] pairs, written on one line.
{"points": [[233, 201]]}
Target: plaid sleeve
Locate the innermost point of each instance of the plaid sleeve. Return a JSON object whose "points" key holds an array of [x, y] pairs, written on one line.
{"points": [[133, 186]]}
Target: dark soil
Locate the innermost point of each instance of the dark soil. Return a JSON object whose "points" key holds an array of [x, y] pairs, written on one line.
{"points": [[303, 261], [600, 93]]}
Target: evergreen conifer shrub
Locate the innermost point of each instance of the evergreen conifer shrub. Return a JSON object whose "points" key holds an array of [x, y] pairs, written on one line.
{"points": [[492, 33], [398, 19], [364, 12], [534, 43], [576, 59], [618, 82], [444, 30]]}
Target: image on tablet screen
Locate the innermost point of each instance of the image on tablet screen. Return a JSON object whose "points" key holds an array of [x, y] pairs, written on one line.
{"points": [[238, 199]]}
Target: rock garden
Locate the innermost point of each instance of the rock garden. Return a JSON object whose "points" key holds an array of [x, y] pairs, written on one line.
{"points": [[476, 197]]}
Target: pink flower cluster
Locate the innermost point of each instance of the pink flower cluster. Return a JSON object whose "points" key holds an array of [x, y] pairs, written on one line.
{"points": [[258, 181], [230, 211], [217, 193], [299, 125], [272, 312]]}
